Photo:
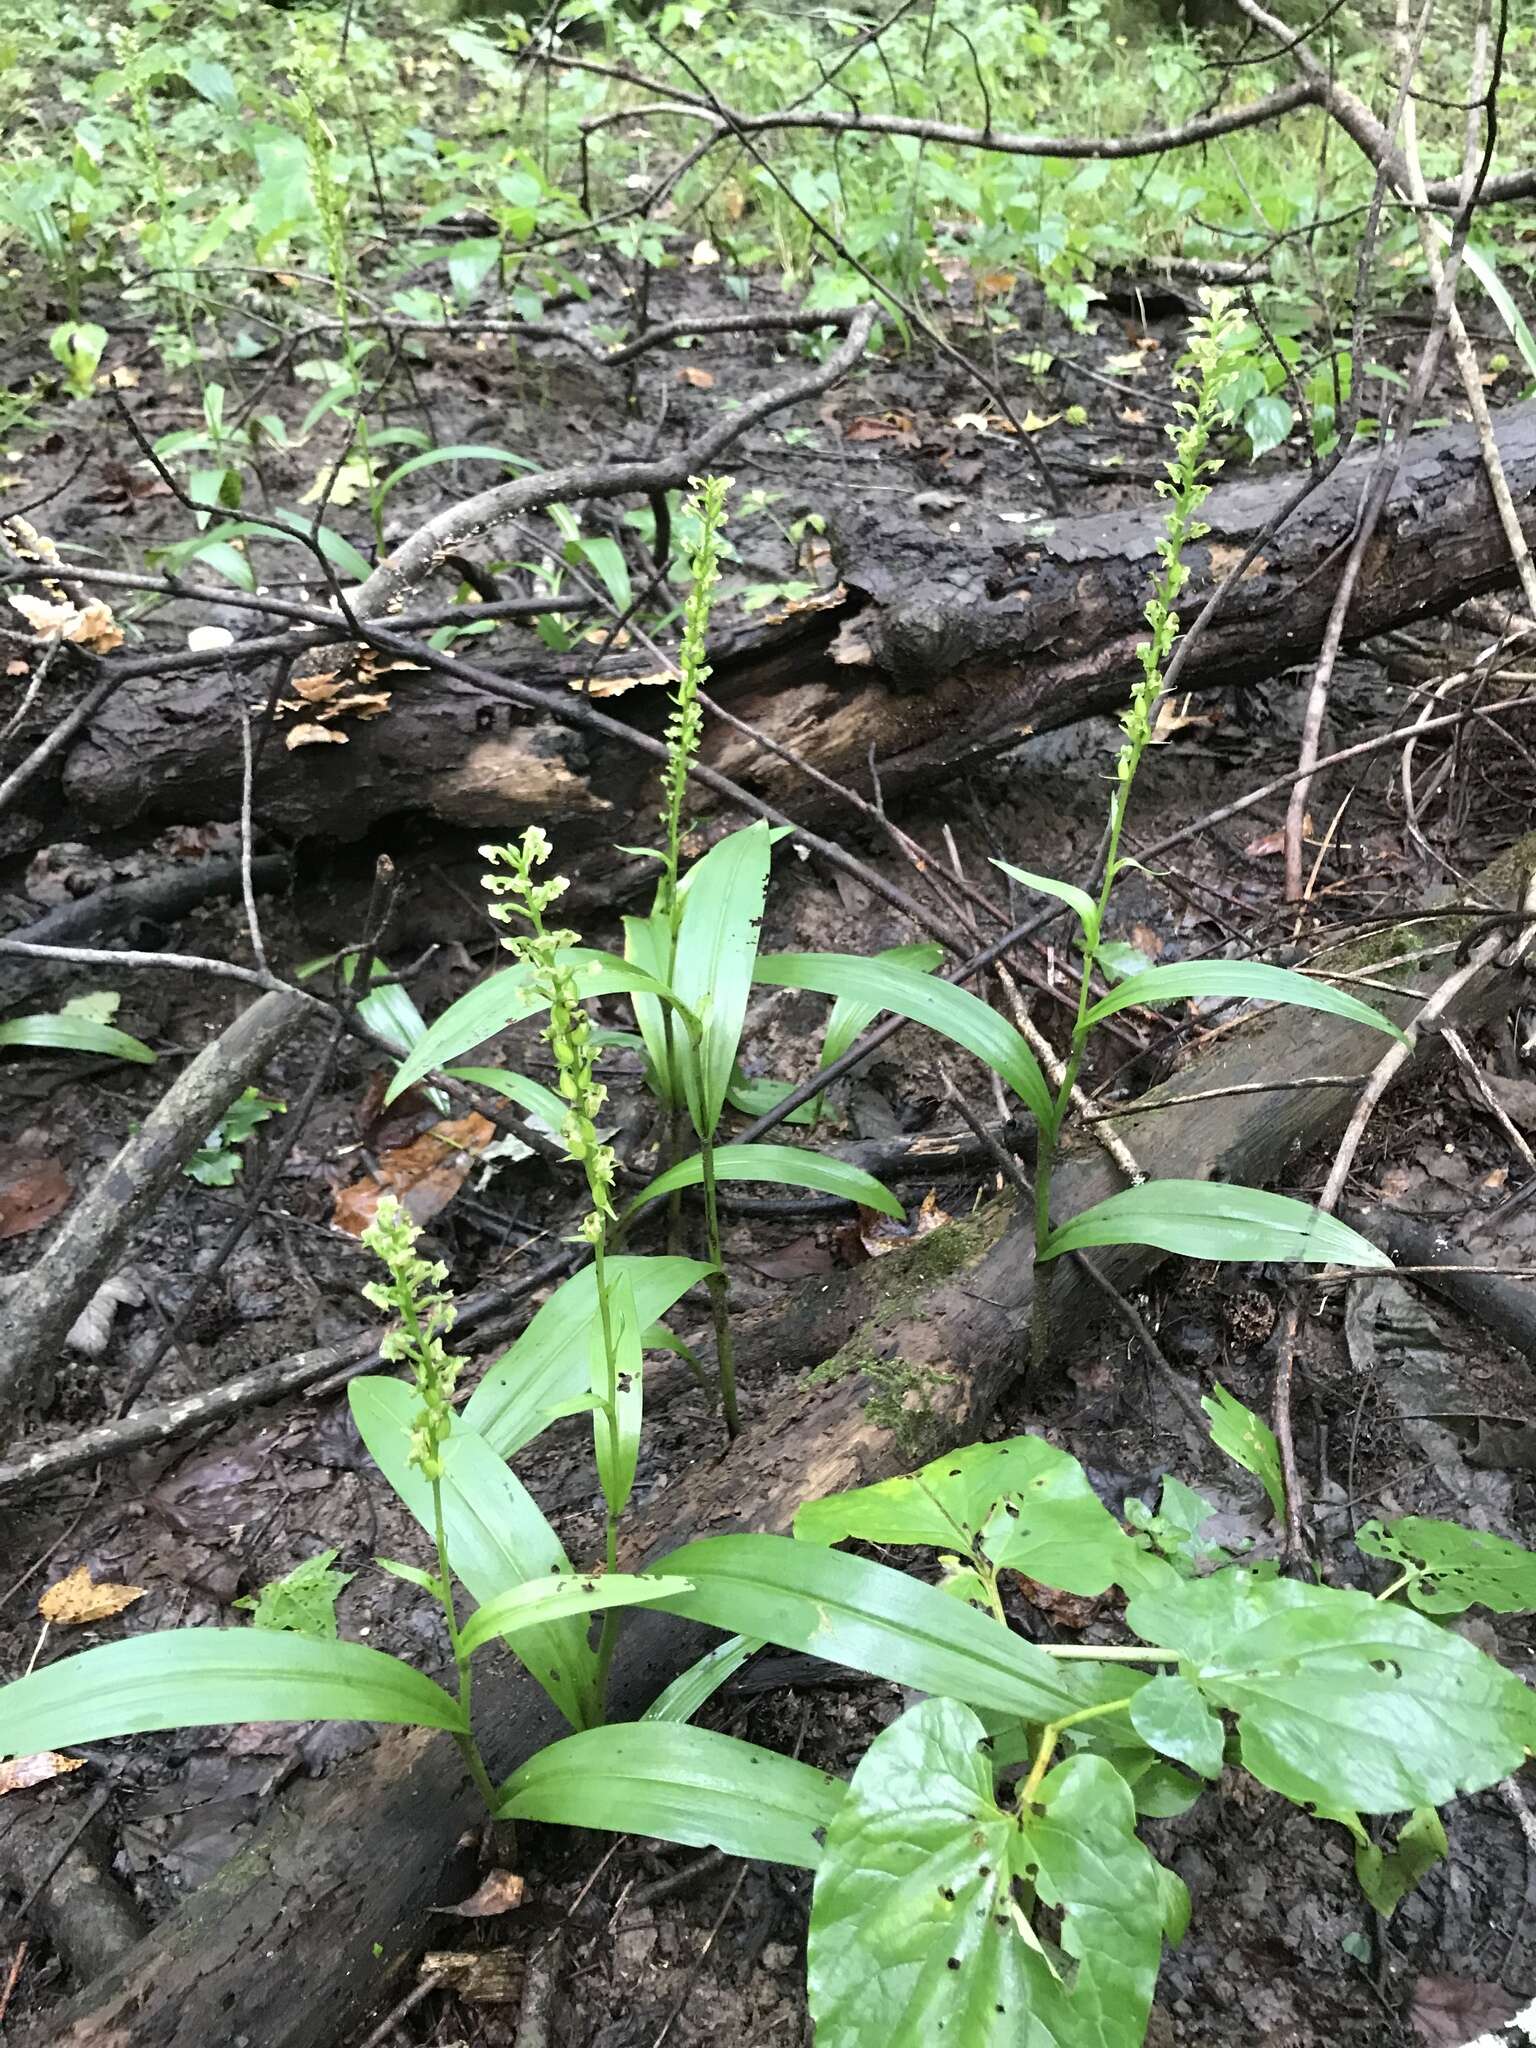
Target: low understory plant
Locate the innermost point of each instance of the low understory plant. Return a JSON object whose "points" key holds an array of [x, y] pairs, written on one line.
{"points": [[1014, 1895]]}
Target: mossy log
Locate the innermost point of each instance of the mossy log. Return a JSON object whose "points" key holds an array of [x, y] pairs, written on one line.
{"points": [[315, 1922], [933, 650]]}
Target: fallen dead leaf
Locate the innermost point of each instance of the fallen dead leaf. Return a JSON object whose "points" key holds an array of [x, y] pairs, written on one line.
{"points": [[1171, 718], [617, 686], [881, 1234], [1133, 416], [891, 426], [501, 1892], [991, 282], [1448, 2012], [1265, 845], [124, 377], [1068, 1610], [1145, 940], [704, 253], [32, 1192], [91, 626], [425, 1174], [17, 667], [313, 736], [77, 1599], [23, 1772], [701, 380]]}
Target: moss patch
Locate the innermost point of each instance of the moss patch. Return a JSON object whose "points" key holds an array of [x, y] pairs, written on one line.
{"points": [[903, 1404]]}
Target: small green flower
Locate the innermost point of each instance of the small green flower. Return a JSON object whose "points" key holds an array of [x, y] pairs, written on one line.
{"points": [[413, 1292]]}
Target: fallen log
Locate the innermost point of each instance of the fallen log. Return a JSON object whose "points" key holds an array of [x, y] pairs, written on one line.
{"points": [[934, 649], [317, 1920]]}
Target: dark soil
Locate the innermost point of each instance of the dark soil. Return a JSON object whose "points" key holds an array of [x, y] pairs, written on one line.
{"points": [[716, 1955]]}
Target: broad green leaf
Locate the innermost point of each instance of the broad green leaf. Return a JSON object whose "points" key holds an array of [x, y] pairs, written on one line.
{"points": [[780, 1165], [1169, 1715], [503, 999], [303, 1600], [1386, 1876], [648, 946], [688, 1692], [548, 1363], [212, 82], [917, 1934], [63, 1033], [1342, 1701], [943, 1006], [468, 452], [496, 1534], [616, 1438], [1025, 1504], [539, 1101], [682, 1784], [755, 1095], [1249, 1441], [199, 1677], [1455, 1568], [606, 557], [849, 1610], [1237, 978], [555, 1598], [712, 966], [1076, 899], [1201, 1219], [1267, 421]]}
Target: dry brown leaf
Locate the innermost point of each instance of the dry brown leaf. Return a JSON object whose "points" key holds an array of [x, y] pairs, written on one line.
{"points": [[1265, 845], [1171, 718], [501, 1892], [313, 736], [891, 426], [17, 667], [701, 380], [426, 1174], [1145, 940], [1448, 2012], [72, 1601], [23, 1772], [32, 1192], [992, 282], [616, 686], [124, 377], [1133, 415], [881, 1234], [91, 626]]}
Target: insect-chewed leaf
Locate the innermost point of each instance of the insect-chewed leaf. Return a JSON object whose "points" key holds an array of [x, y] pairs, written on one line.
{"points": [[1028, 1505], [1201, 1219], [916, 1935], [548, 1363], [712, 965], [683, 1784], [1455, 1568], [1170, 1714], [497, 1536], [850, 1610], [198, 1677], [1342, 1701], [1249, 1441], [1183, 978], [786, 1166], [942, 1005]]}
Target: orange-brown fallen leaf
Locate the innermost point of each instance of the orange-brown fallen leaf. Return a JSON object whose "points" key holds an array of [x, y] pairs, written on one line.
{"points": [[701, 380], [71, 1602], [23, 1772], [501, 1892], [426, 1174], [881, 1234], [32, 1192]]}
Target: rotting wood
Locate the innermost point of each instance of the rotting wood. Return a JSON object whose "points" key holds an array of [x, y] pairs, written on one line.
{"points": [[935, 649], [318, 1920]]}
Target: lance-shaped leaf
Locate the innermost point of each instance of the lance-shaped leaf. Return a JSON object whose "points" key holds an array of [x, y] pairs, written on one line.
{"points": [[712, 964], [554, 1599], [1343, 1701], [199, 1677], [1237, 978], [1248, 1441], [785, 1166], [682, 1784], [1201, 1219], [648, 946], [1077, 900], [852, 1611], [65, 1033], [548, 1363], [688, 1692], [533, 1096], [1027, 1505], [616, 1427], [916, 1932], [943, 1006], [506, 998], [1455, 1568], [496, 1535]]}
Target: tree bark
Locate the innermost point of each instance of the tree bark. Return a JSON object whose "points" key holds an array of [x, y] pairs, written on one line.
{"points": [[935, 650], [316, 1921]]}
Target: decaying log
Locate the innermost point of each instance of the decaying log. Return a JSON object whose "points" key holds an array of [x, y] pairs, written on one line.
{"points": [[318, 1919], [933, 648]]}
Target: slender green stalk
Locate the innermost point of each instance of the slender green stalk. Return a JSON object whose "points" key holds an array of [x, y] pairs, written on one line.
{"points": [[1051, 1734], [1214, 356], [719, 1295]]}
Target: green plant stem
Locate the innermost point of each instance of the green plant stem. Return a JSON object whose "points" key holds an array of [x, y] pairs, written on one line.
{"points": [[469, 1749], [719, 1292], [1404, 1578], [1051, 1734], [608, 1640]]}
